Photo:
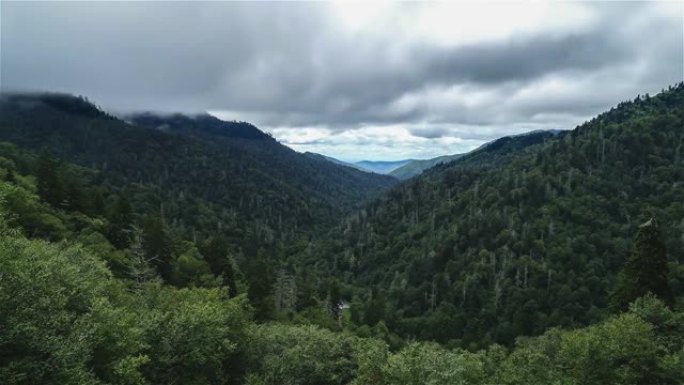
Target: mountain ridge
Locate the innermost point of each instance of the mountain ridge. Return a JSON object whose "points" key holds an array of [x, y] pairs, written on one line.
{"points": [[257, 179], [497, 244]]}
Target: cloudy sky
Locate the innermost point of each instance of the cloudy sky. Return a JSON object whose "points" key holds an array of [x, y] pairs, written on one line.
{"points": [[352, 80]]}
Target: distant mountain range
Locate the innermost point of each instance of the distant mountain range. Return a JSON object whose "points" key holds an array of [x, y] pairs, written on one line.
{"points": [[417, 166], [381, 167], [377, 167], [317, 156], [408, 168]]}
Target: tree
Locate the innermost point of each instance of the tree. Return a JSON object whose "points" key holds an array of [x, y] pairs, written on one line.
{"points": [[156, 244], [50, 185], [120, 220], [140, 270], [334, 299], [215, 252], [260, 280], [645, 271], [285, 292]]}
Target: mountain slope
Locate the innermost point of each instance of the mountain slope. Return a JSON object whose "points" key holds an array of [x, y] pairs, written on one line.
{"points": [[509, 241], [334, 160], [336, 184], [381, 167], [417, 166], [199, 173], [489, 153]]}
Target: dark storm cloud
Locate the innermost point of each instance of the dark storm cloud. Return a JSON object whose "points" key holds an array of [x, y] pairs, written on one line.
{"points": [[293, 65]]}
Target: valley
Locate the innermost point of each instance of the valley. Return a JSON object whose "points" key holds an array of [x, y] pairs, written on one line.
{"points": [[256, 249]]}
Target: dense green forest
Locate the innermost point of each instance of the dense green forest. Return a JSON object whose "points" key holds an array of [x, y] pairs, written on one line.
{"points": [[202, 194], [183, 249], [524, 234], [66, 319], [200, 173]]}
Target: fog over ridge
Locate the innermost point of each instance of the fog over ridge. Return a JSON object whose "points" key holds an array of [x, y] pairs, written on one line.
{"points": [[353, 81]]}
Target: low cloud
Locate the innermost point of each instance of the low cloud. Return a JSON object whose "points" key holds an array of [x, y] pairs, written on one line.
{"points": [[378, 81]]}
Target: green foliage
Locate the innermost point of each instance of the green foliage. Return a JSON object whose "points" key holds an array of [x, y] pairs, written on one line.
{"points": [[192, 270], [521, 235], [64, 319], [24, 210], [156, 245], [55, 313], [202, 175], [197, 336], [632, 348], [301, 355], [643, 346], [424, 363], [646, 271]]}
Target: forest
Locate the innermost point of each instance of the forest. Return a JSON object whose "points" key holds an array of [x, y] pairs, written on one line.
{"points": [[180, 249]]}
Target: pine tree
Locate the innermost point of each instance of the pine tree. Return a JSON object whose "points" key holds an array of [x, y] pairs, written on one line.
{"points": [[157, 245], [334, 299], [645, 271], [120, 221], [215, 252], [285, 292], [50, 185], [140, 269]]}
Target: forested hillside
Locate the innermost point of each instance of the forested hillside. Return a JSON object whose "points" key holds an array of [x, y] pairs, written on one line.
{"points": [[513, 239], [334, 160], [417, 166], [248, 184], [115, 270], [489, 153], [65, 319], [193, 178], [381, 167], [212, 202]]}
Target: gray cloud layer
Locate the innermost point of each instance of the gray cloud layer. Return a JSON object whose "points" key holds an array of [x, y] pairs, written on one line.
{"points": [[295, 66]]}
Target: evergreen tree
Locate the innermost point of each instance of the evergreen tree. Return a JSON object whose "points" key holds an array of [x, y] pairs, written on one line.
{"points": [[215, 252], [50, 185], [645, 271], [260, 280], [334, 300], [120, 221], [285, 292], [156, 244], [140, 270], [10, 177]]}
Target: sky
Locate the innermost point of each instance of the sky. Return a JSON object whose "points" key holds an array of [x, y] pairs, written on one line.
{"points": [[353, 80]]}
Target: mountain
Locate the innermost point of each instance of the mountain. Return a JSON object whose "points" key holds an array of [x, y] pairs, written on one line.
{"points": [[381, 167], [199, 173], [417, 166], [523, 234], [495, 149], [199, 125], [335, 161], [516, 237]]}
